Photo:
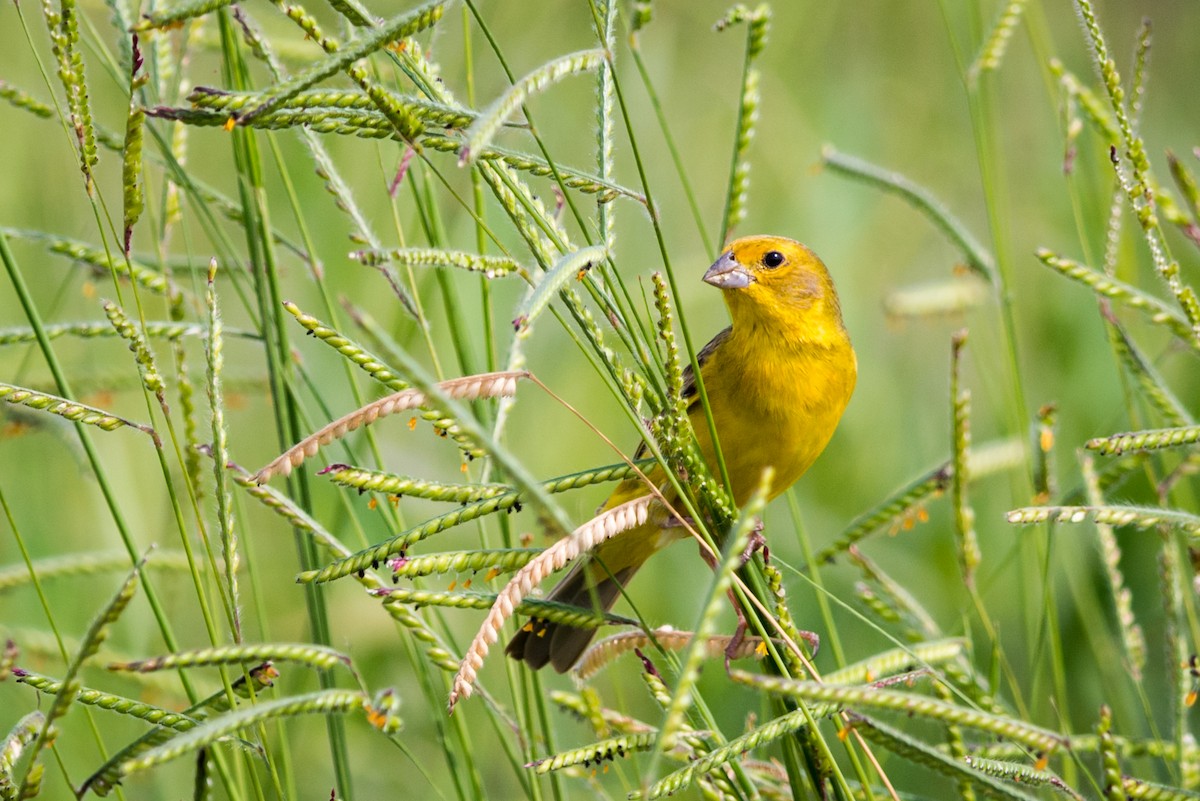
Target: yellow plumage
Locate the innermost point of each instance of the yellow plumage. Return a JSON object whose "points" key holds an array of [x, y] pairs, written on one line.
{"points": [[777, 382]]}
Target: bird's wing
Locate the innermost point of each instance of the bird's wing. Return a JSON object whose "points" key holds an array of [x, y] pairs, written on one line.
{"points": [[690, 393]]}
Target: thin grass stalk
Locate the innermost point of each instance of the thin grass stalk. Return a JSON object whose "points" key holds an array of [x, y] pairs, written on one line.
{"points": [[261, 255]]}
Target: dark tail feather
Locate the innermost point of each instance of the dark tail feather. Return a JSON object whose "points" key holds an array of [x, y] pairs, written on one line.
{"points": [[539, 642]]}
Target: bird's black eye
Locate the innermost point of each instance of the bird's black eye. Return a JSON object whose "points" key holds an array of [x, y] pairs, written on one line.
{"points": [[772, 259]]}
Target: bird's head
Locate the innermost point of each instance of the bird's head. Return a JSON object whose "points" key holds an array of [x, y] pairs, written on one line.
{"points": [[771, 280]]}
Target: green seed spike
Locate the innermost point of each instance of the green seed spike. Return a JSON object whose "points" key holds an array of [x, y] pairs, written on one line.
{"points": [[75, 412], [108, 775], [177, 13], [372, 40], [964, 515], [996, 46], [917, 752], [739, 171], [160, 329], [13, 746], [550, 611], [908, 703], [315, 100], [493, 561], [131, 157], [1145, 440], [1142, 517], [1132, 637], [573, 264], [365, 480], [24, 100], [609, 749], [766, 734], [572, 179], [95, 636], [322, 702], [113, 703], [145, 276], [900, 503], [481, 132], [356, 353], [140, 348], [1113, 789], [490, 266], [316, 656], [1158, 311], [897, 660]]}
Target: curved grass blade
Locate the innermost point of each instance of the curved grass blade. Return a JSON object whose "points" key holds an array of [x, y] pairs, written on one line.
{"points": [[570, 265], [978, 258], [491, 119]]}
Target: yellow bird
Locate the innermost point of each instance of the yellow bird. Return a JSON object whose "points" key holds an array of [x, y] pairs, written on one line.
{"points": [[777, 381]]}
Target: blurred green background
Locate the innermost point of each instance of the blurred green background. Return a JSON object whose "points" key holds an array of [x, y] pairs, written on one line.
{"points": [[879, 80]]}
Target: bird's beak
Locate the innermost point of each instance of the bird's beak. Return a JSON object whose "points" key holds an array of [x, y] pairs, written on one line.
{"points": [[727, 273]]}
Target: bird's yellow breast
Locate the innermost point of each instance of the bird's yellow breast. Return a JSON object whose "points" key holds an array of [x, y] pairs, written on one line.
{"points": [[774, 404]]}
